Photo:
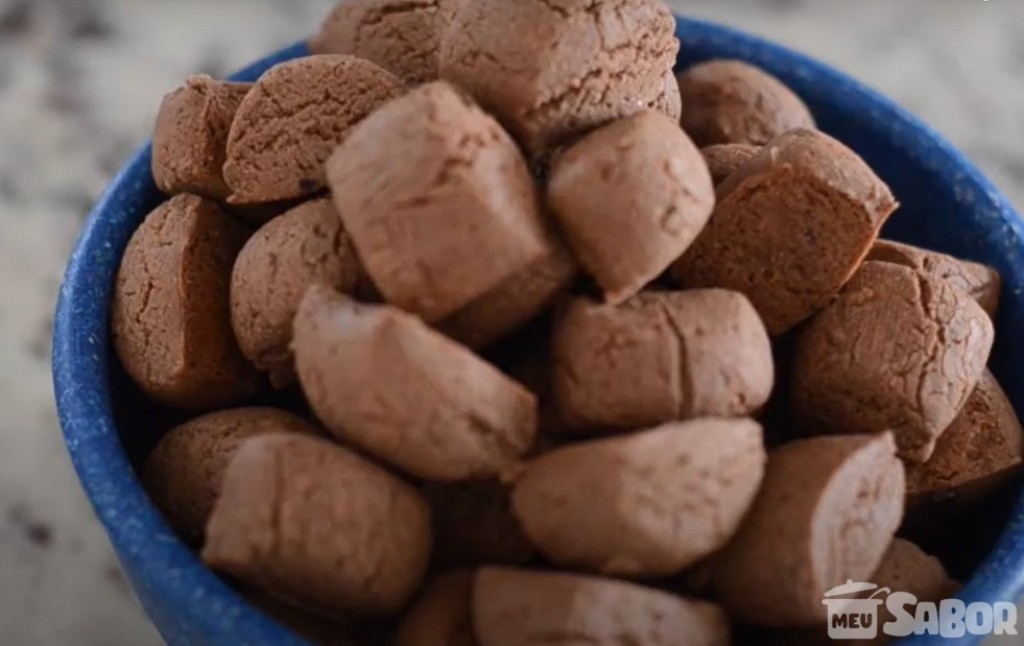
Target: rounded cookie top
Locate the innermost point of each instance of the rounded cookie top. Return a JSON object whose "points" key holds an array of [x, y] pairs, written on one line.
{"points": [[170, 317], [438, 200], [898, 350], [293, 119], [551, 70], [305, 246], [191, 136], [402, 36], [183, 474], [732, 102]]}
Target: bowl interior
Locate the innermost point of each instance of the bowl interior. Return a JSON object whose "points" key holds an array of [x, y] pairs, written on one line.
{"points": [[946, 205]]}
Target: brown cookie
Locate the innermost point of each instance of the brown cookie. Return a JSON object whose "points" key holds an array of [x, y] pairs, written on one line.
{"points": [[552, 71], [442, 615], [669, 102], [474, 525], [732, 102], [316, 524], [905, 569], [898, 350], [183, 474], [402, 36], [170, 317], [528, 608], [191, 136], [724, 159], [306, 246], [980, 451], [382, 380], [642, 505], [294, 118], [826, 513], [659, 356], [981, 282], [630, 198], [439, 202], [790, 227], [521, 297]]}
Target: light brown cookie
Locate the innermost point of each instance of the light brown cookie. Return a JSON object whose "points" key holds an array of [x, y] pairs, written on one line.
{"points": [[898, 350], [191, 136], [645, 505], [307, 245], [314, 523], [382, 380], [630, 198], [658, 357], [550, 71], [528, 608], [732, 102], [790, 228], [826, 513], [293, 119], [981, 282], [402, 36], [170, 318], [438, 200], [183, 473]]}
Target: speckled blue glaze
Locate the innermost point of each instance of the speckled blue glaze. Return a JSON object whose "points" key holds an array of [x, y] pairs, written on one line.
{"points": [[947, 205]]}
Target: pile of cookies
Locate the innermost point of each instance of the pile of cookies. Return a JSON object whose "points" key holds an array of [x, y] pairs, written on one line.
{"points": [[719, 391]]}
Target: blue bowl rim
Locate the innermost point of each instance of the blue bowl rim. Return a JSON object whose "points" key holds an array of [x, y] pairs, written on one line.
{"points": [[83, 401]]}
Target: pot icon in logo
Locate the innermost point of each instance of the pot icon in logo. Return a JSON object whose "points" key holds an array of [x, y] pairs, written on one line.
{"points": [[853, 618]]}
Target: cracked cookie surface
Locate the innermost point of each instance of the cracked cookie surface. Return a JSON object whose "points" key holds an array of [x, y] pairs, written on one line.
{"points": [[630, 198], [659, 357], [438, 200], [305, 246], [898, 350], [551, 69], [293, 119], [402, 36], [170, 318]]}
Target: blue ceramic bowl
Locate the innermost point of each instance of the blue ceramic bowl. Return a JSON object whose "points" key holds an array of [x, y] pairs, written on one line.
{"points": [[947, 205]]}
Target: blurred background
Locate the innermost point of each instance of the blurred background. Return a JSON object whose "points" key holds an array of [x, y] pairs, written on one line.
{"points": [[80, 83]]}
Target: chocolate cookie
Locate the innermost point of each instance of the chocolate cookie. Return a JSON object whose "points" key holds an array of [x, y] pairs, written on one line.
{"points": [[980, 451], [659, 356], [527, 608], [306, 246], [981, 282], [183, 474], [170, 318], [382, 380], [898, 350], [191, 136], [402, 36], [315, 523], [826, 514], [294, 118], [630, 198], [724, 159], [642, 505], [438, 200], [790, 227], [551, 71], [732, 102]]}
